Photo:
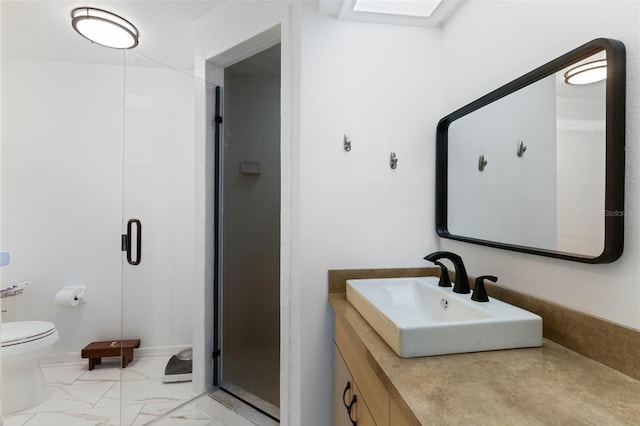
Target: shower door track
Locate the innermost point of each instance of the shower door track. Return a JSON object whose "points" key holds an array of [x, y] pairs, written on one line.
{"points": [[260, 410]]}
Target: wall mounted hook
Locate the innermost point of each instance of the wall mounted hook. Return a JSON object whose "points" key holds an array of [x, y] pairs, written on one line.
{"points": [[347, 142], [393, 160], [482, 163], [521, 149]]}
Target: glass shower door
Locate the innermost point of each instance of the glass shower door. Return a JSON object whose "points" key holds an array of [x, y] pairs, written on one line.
{"points": [[250, 232], [160, 296]]}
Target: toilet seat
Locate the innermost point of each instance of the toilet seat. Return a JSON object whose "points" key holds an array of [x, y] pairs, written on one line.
{"points": [[20, 332]]}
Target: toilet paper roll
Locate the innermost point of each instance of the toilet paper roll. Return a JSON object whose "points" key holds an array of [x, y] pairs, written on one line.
{"points": [[69, 296]]}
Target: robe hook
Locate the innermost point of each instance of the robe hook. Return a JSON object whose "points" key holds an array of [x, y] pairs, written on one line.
{"points": [[521, 149], [482, 163]]}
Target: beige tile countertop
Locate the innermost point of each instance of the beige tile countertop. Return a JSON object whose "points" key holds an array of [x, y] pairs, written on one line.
{"points": [[550, 385]]}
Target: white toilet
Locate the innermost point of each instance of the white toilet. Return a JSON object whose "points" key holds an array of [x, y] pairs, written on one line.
{"points": [[23, 345]]}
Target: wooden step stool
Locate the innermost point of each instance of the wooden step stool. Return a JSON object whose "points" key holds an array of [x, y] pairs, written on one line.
{"points": [[96, 350]]}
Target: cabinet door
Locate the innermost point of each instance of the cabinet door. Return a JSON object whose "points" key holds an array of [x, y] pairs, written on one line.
{"points": [[355, 354], [341, 380], [344, 391], [362, 416]]}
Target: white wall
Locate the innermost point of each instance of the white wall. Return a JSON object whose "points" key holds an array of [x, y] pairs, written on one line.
{"points": [[346, 210], [504, 40], [380, 84], [581, 191], [157, 295], [62, 198], [61, 185]]}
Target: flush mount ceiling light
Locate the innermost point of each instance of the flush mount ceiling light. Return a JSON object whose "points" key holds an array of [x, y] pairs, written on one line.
{"points": [[587, 73], [105, 28]]}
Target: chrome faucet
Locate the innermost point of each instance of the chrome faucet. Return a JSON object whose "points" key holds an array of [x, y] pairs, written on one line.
{"points": [[461, 281]]}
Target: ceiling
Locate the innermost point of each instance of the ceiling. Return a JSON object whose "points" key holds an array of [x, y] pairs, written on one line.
{"points": [[42, 29]]}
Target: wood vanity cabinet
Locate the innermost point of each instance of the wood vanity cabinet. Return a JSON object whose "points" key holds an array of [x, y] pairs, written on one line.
{"points": [[353, 375], [342, 391], [348, 404]]}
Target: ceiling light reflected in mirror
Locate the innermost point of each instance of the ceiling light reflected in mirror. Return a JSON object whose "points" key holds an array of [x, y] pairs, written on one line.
{"points": [[588, 73]]}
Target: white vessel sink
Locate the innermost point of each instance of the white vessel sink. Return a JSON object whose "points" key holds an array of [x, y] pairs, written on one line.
{"points": [[418, 318]]}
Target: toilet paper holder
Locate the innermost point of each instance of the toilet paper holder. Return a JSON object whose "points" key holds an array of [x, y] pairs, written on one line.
{"points": [[71, 295]]}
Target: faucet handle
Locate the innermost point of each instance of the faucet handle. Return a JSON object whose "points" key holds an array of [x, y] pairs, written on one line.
{"points": [[444, 275], [479, 292]]}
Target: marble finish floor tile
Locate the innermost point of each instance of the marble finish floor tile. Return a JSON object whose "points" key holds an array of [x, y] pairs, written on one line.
{"points": [[177, 421], [145, 392], [111, 396], [145, 368], [185, 416], [111, 416], [71, 397], [64, 374], [78, 361], [107, 371], [16, 419]]}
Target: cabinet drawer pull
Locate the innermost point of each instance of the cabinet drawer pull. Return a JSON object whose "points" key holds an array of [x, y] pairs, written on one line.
{"points": [[344, 394], [349, 408]]}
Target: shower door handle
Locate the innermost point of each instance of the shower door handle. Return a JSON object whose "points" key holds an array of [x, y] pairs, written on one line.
{"points": [[127, 241]]}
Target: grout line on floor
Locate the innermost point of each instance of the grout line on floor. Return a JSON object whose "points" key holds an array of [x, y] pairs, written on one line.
{"points": [[179, 407]]}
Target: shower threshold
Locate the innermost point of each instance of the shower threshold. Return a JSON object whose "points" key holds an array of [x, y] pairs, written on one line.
{"points": [[245, 402]]}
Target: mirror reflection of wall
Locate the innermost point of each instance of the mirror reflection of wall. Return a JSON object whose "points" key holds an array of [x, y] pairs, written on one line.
{"points": [[552, 196], [513, 200], [581, 127]]}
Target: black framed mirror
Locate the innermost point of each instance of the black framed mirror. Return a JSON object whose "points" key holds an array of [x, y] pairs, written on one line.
{"points": [[537, 165]]}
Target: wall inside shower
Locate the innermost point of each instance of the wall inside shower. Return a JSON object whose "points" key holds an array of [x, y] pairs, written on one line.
{"points": [[63, 158], [158, 189]]}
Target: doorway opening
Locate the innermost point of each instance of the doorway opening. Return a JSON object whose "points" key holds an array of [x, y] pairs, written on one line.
{"points": [[248, 224]]}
